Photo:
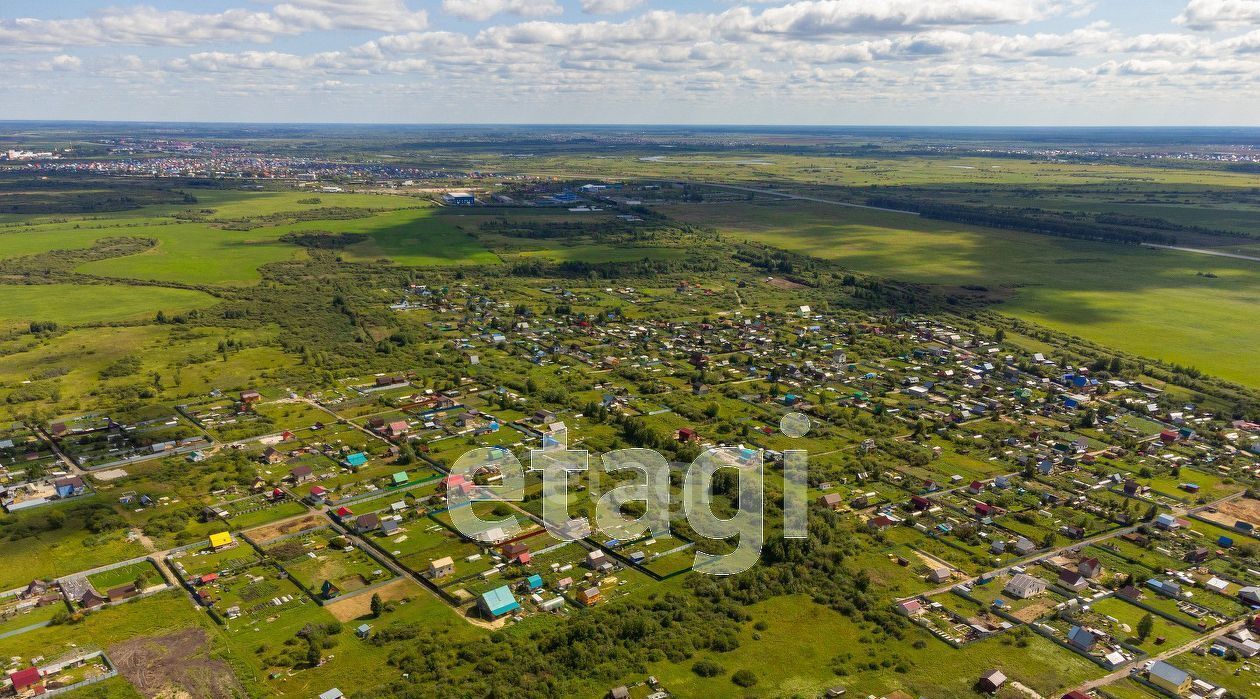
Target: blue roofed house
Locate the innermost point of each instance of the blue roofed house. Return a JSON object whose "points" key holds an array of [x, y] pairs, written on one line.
{"points": [[356, 459], [498, 602], [534, 582], [69, 487]]}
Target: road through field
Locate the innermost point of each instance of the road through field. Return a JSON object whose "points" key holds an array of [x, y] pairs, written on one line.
{"points": [[1200, 251], [798, 197]]}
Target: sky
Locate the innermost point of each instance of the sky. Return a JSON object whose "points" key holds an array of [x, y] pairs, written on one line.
{"points": [[911, 62]]}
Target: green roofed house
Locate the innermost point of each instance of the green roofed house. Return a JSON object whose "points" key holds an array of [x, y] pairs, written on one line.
{"points": [[356, 459], [498, 602], [401, 478]]}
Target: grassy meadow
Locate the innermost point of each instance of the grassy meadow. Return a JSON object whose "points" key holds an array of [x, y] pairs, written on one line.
{"points": [[789, 663], [82, 303]]}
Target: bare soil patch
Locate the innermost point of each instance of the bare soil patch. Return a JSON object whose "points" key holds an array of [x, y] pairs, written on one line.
{"points": [[361, 605], [175, 666], [782, 283], [1246, 509], [1036, 610], [268, 532]]}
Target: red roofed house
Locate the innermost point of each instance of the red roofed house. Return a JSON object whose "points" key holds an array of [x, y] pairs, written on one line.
{"points": [[975, 488], [919, 502], [1168, 436], [910, 607], [984, 509], [25, 679], [398, 428], [880, 522], [516, 552], [687, 434], [456, 482]]}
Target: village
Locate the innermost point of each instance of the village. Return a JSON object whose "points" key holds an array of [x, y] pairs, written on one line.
{"points": [[1006, 493]]}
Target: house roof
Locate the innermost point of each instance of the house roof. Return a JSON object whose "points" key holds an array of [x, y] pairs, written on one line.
{"points": [[333, 693], [220, 539], [1169, 673], [996, 677], [24, 678], [500, 601], [1082, 637], [1024, 583], [357, 459]]}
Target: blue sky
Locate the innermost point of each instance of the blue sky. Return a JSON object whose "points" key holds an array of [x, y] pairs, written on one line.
{"points": [[1042, 62]]}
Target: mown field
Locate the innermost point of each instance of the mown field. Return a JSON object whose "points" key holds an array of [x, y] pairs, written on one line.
{"points": [[73, 303], [1153, 303]]}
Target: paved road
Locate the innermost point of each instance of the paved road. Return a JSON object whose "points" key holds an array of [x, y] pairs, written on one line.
{"points": [[1124, 670], [799, 197], [1201, 251]]}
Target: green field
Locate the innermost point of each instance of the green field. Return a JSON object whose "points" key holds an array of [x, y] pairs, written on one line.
{"points": [[788, 662], [71, 304], [1149, 302]]}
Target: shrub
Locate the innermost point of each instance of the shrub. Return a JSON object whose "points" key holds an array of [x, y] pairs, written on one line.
{"points": [[708, 668]]}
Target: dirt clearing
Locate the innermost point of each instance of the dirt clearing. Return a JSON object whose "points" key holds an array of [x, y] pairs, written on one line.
{"points": [[361, 605], [177, 665], [266, 533]]}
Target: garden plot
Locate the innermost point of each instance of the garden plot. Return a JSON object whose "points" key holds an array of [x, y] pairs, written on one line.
{"points": [[23, 455], [99, 441], [321, 557], [955, 625], [228, 419], [255, 510], [15, 615], [1192, 612], [993, 594], [374, 485], [664, 555], [193, 563], [142, 574], [421, 541], [257, 593]]}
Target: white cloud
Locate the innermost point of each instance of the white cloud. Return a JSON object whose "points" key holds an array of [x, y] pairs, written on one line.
{"points": [[824, 17], [143, 25], [62, 63], [609, 7], [1208, 15], [482, 10], [380, 15]]}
